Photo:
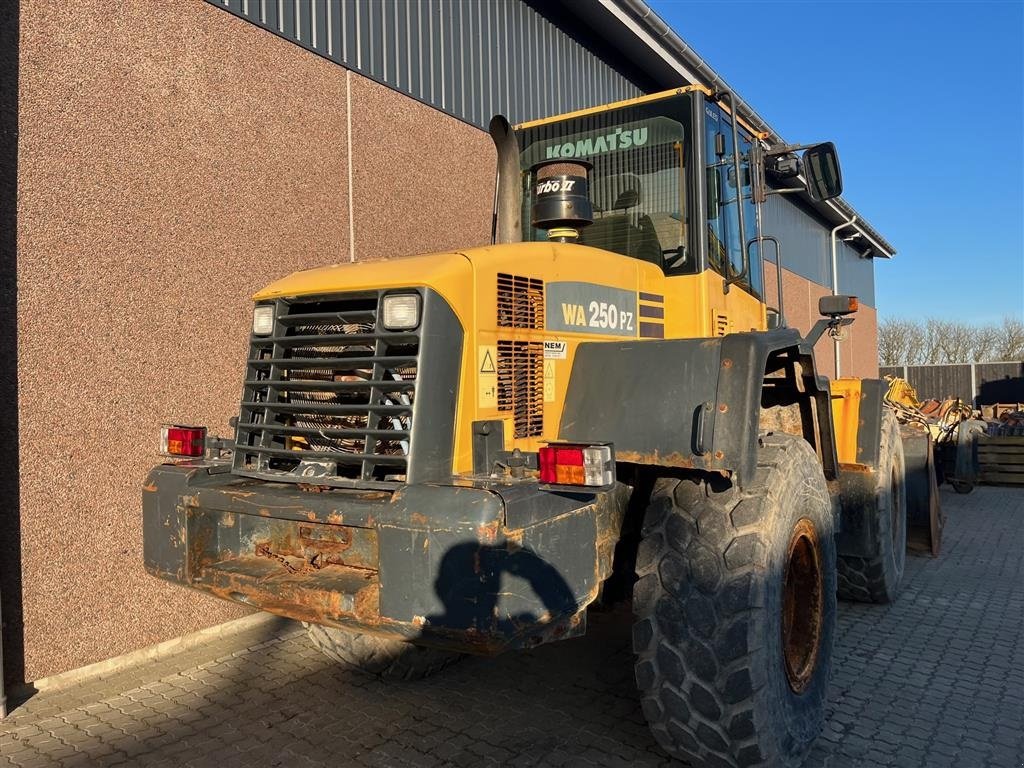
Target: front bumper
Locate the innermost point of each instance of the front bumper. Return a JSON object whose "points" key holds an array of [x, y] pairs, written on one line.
{"points": [[475, 566]]}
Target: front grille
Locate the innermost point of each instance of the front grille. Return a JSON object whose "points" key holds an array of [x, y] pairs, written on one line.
{"points": [[520, 302], [521, 385], [330, 395]]}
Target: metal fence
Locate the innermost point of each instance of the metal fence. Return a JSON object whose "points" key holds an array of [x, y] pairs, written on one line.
{"points": [[977, 383]]}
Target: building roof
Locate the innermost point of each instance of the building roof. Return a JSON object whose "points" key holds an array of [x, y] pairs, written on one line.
{"points": [[644, 39]]}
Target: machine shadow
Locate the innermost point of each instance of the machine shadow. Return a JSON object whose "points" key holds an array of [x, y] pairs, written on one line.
{"points": [[282, 699], [470, 586]]}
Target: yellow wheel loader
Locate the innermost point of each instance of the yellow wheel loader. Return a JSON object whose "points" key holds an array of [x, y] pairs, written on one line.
{"points": [[458, 453]]}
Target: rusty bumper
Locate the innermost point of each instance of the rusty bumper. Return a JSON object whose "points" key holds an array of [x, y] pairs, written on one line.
{"points": [[474, 566]]}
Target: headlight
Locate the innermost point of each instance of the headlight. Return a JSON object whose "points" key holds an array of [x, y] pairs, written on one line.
{"points": [[401, 311], [263, 320]]}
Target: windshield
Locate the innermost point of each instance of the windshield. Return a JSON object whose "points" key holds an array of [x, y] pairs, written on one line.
{"points": [[638, 185]]}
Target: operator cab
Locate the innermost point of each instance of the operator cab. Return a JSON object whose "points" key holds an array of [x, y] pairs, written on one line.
{"points": [[640, 156]]}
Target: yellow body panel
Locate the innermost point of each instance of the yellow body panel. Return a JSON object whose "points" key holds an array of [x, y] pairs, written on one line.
{"points": [[846, 394], [615, 105], [693, 306], [639, 100]]}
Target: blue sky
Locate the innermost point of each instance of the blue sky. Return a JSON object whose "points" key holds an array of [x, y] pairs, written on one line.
{"points": [[924, 101]]}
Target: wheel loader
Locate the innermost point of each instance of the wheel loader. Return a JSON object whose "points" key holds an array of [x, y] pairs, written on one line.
{"points": [[459, 453]]}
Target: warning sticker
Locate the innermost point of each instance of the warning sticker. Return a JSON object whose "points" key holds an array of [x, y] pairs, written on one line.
{"points": [[487, 355], [549, 381], [555, 350]]}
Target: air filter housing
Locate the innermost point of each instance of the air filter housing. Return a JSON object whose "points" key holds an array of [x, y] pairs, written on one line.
{"points": [[561, 199]]}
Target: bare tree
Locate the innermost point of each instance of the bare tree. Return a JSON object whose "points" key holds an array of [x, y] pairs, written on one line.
{"points": [[937, 341], [930, 349], [896, 338], [954, 342], [984, 341]]}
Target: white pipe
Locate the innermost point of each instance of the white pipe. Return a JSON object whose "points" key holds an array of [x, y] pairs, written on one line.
{"points": [[835, 279]]}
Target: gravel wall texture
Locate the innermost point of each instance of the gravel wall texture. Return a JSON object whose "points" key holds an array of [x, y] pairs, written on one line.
{"points": [[173, 159]]}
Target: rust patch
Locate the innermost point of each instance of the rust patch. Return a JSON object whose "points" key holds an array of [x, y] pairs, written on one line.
{"points": [[859, 468], [418, 518], [337, 540], [673, 459], [488, 533], [726, 363], [514, 539], [335, 518], [367, 602], [149, 487]]}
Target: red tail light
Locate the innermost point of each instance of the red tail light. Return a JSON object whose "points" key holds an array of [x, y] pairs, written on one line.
{"points": [[571, 464], [178, 440]]}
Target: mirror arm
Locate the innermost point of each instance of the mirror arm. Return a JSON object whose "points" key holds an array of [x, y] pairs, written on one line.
{"points": [[786, 149]]}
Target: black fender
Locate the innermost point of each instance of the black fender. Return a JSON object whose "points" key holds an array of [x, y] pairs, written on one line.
{"points": [[692, 403]]}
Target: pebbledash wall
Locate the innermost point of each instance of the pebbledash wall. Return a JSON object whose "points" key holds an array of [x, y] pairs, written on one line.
{"points": [[171, 158]]}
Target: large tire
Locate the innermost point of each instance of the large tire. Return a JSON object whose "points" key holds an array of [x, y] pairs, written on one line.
{"points": [[736, 611], [381, 657], [877, 579]]}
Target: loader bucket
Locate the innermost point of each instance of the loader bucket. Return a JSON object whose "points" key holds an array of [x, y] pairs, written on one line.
{"points": [[924, 516]]}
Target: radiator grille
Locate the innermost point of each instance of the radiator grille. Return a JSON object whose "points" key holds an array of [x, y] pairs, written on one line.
{"points": [[329, 395], [521, 385], [520, 302]]}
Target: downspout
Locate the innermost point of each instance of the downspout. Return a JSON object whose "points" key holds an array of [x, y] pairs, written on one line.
{"points": [[835, 279]]}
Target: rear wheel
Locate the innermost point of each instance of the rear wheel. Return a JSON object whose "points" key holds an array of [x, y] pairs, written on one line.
{"points": [[877, 579], [381, 657], [736, 610]]}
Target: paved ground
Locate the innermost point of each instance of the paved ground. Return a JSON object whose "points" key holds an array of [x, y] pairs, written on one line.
{"points": [[936, 680]]}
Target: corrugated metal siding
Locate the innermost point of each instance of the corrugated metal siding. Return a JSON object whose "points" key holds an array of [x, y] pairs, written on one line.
{"points": [[856, 274], [470, 59], [805, 248], [807, 252]]}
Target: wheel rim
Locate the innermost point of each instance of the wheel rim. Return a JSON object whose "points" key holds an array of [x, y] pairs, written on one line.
{"points": [[802, 606]]}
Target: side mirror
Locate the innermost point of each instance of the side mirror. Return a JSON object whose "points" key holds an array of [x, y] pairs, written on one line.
{"points": [[821, 167], [714, 192], [837, 306]]}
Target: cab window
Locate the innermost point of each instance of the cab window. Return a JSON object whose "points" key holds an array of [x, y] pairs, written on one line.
{"points": [[725, 194], [638, 184]]}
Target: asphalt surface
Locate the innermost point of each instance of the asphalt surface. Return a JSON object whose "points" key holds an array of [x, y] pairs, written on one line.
{"points": [[935, 680]]}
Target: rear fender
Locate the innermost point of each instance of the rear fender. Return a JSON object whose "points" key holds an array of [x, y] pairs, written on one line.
{"points": [[691, 403]]}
